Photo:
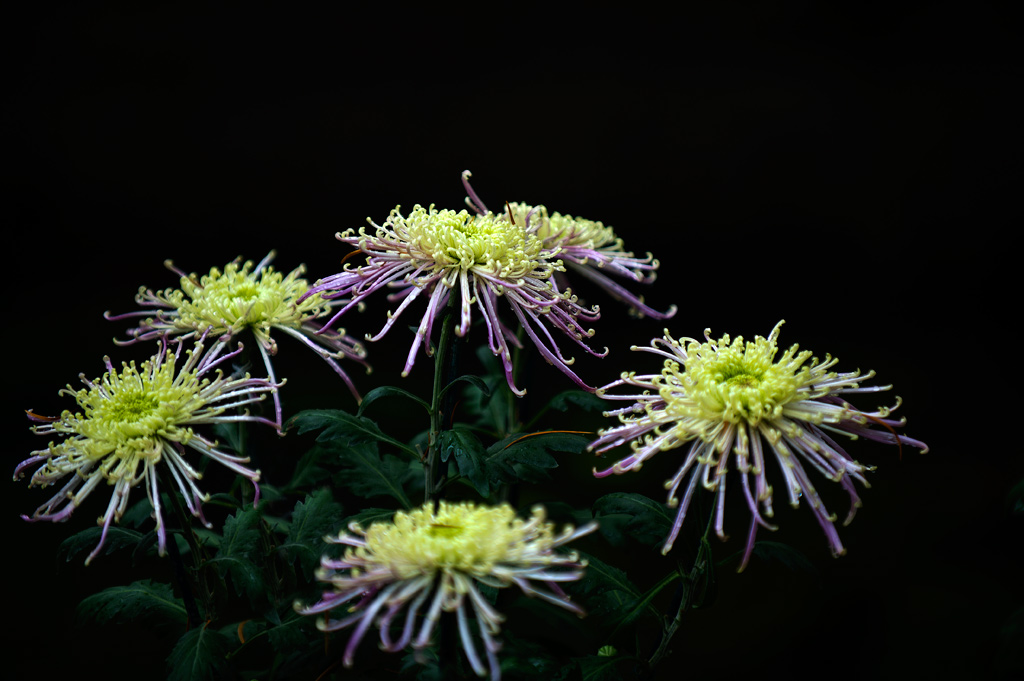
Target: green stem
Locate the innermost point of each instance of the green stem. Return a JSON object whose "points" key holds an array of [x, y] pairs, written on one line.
{"points": [[188, 593], [685, 593], [440, 405]]}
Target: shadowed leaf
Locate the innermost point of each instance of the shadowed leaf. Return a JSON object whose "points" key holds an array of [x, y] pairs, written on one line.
{"points": [[318, 515], [368, 474], [642, 518], [389, 391], [86, 540], [469, 456], [200, 655], [340, 427], [239, 546], [143, 600]]}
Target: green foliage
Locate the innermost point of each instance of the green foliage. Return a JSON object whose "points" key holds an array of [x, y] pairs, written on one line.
{"points": [[1015, 499], [350, 445], [786, 555], [244, 575], [313, 518], [480, 384], [369, 475], [200, 655], [367, 517], [522, 658], [238, 554], [342, 428], [389, 391], [625, 514], [469, 455], [604, 590], [516, 458], [85, 541], [569, 399], [233, 435], [144, 601], [604, 668]]}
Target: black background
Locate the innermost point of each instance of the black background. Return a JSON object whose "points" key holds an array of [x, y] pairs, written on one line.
{"points": [[846, 169]]}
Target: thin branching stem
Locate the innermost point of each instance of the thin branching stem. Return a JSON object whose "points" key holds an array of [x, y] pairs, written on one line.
{"points": [[444, 373], [187, 590], [685, 594]]}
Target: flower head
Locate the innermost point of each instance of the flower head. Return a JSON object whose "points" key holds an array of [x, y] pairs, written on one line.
{"points": [[134, 419], [436, 253], [433, 560], [590, 249], [242, 297], [730, 399]]}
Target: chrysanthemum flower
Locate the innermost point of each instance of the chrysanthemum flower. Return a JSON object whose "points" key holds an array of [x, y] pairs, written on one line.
{"points": [[589, 248], [243, 297], [134, 419], [435, 252], [429, 561], [730, 399]]}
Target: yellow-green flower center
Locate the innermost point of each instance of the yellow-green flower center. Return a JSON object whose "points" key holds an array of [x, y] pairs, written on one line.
{"points": [[132, 406], [237, 298], [735, 381], [128, 414], [567, 231], [488, 243], [462, 537]]}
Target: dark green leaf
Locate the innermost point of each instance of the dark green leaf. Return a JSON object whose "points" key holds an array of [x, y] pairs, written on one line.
{"points": [[786, 555], [646, 520], [422, 663], [560, 512], [602, 668], [525, 659], [237, 553], [289, 634], [367, 517], [139, 514], [475, 381], [1008, 660], [389, 391], [342, 428], [526, 457], [308, 471], [1015, 499], [490, 407], [469, 456], [86, 540], [234, 434], [603, 589], [200, 655], [144, 600], [577, 398], [312, 519], [368, 474], [643, 605]]}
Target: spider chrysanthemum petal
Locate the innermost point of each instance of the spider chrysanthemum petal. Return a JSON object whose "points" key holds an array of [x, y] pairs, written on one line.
{"points": [[135, 419], [736, 404], [481, 257], [244, 296], [407, 572]]}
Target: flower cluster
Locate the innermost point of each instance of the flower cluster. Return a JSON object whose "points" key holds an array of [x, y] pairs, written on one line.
{"points": [[134, 419], [592, 250], [435, 253], [736, 403], [480, 257], [260, 299], [434, 560]]}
